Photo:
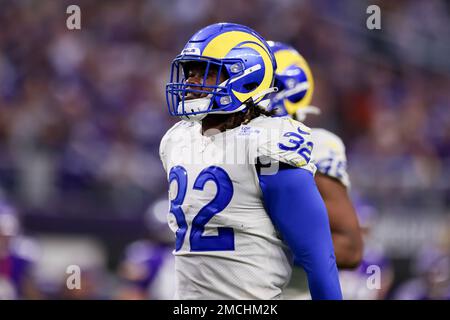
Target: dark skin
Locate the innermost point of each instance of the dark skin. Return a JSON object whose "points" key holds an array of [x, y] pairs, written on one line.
{"points": [[194, 75], [346, 234], [345, 230]]}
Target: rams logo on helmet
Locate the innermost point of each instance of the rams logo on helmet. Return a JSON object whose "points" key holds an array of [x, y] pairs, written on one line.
{"points": [[293, 78]]}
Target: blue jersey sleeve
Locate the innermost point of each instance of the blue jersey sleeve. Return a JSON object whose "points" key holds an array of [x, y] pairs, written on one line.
{"points": [[298, 212]]}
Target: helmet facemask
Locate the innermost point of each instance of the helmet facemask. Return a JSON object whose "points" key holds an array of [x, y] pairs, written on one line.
{"points": [[193, 101]]}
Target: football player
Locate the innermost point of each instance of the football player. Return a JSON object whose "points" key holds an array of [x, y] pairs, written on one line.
{"points": [[295, 84], [18, 258], [146, 271], [241, 184], [431, 281], [373, 278]]}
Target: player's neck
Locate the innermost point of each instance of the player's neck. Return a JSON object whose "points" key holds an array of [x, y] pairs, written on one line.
{"points": [[220, 122]]}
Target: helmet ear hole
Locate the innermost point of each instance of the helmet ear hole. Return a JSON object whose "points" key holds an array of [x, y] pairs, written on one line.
{"points": [[251, 86], [279, 84]]}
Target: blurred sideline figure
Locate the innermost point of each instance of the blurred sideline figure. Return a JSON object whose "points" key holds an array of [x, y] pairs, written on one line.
{"points": [[373, 278], [147, 268], [295, 83], [147, 272], [431, 270], [18, 256]]}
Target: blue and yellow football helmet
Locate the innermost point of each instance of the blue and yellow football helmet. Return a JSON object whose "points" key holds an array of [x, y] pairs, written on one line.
{"points": [[294, 81], [233, 50]]}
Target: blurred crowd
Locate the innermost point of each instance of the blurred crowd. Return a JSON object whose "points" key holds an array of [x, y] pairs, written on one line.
{"points": [[82, 112]]}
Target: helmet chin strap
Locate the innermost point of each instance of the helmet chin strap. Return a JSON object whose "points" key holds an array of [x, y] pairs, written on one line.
{"points": [[264, 92], [303, 112], [264, 103], [196, 105], [201, 105], [299, 87]]}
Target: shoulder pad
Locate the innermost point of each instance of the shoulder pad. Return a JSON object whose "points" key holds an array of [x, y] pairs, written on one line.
{"points": [[329, 155], [284, 139]]}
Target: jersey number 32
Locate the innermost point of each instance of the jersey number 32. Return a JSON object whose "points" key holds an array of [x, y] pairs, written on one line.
{"points": [[224, 240]]}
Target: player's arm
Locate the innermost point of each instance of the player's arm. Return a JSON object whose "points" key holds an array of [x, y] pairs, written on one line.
{"points": [[299, 214], [333, 182], [346, 234]]}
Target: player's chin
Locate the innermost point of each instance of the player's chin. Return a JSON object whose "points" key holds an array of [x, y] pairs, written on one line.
{"points": [[192, 96]]}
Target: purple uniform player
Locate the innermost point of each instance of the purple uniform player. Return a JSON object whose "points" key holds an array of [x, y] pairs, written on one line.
{"points": [[432, 281], [148, 272], [17, 258], [373, 279]]}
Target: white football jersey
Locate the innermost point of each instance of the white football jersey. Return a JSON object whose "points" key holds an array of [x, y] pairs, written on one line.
{"points": [[329, 155], [226, 244]]}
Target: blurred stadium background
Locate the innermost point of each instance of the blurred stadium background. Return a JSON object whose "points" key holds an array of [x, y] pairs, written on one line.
{"points": [[82, 113]]}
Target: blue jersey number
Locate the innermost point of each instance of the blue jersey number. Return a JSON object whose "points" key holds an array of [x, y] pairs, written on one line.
{"points": [[296, 140], [332, 167], [225, 237], [179, 174]]}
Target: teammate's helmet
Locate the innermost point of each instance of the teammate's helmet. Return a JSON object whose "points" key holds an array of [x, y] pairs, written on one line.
{"points": [[233, 50], [293, 79]]}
